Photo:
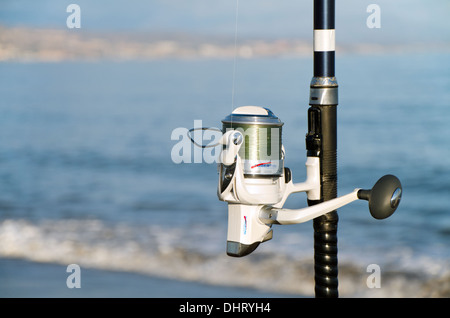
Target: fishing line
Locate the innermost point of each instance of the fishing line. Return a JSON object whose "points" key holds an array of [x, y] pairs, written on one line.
{"points": [[232, 86], [235, 55]]}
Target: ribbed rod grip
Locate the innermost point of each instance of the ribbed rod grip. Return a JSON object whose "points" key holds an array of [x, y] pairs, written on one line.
{"points": [[325, 256], [325, 227]]}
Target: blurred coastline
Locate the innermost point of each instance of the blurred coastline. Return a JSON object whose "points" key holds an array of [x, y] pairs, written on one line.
{"points": [[26, 44]]}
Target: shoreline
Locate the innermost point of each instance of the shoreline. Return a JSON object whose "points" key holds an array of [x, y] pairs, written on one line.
{"points": [[26, 279], [25, 44]]}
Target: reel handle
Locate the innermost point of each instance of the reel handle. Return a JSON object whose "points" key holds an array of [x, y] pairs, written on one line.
{"points": [[384, 197]]}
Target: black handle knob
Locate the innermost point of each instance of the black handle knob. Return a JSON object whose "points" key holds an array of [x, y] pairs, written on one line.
{"points": [[384, 197]]}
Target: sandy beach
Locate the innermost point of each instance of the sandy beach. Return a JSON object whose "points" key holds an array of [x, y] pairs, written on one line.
{"points": [[24, 279]]}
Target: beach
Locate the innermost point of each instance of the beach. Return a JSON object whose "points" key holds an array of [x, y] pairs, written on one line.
{"points": [[25, 279]]}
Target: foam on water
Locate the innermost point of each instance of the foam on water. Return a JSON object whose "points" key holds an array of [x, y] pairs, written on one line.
{"points": [[197, 254]]}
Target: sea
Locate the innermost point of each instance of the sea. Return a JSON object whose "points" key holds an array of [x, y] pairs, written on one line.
{"points": [[88, 176]]}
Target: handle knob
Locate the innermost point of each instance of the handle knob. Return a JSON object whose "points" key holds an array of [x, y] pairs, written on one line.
{"points": [[384, 197]]}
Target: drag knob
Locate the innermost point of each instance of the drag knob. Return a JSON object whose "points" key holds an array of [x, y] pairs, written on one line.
{"points": [[384, 197]]}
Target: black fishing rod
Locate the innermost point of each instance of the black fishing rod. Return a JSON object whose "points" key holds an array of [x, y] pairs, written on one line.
{"points": [[321, 142]]}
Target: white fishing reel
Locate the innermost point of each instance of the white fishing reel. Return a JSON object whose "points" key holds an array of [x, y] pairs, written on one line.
{"points": [[256, 185]]}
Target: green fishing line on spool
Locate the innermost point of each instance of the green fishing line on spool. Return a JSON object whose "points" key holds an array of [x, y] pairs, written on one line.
{"points": [[261, 151]]}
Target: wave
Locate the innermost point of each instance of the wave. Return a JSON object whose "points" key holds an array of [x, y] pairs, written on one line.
{"points": [[197, 254]]}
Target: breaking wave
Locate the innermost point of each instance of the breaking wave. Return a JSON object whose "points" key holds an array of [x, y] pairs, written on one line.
{"points": [[197, 253]]}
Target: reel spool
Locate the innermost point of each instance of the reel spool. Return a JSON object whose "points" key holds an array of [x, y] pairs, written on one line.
{"points": [[261, 151]]}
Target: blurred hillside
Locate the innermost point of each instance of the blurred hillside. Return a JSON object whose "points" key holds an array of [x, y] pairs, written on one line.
{"points": [[53, 45]]}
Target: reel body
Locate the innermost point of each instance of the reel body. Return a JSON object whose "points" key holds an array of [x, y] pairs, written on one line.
{"points": [[255, 183]]}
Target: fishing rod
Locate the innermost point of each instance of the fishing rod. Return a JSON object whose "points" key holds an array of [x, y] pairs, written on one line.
{"points": [[321, 142], [255, 183]]}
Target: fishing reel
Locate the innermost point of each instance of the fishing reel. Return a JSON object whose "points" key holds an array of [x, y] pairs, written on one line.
{"points": [[255, 183]]}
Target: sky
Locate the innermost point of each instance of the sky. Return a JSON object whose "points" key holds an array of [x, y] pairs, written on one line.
{"points": [[408, 21]]}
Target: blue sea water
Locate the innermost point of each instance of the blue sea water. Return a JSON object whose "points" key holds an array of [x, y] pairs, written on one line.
{"points": [[86, 174]]}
